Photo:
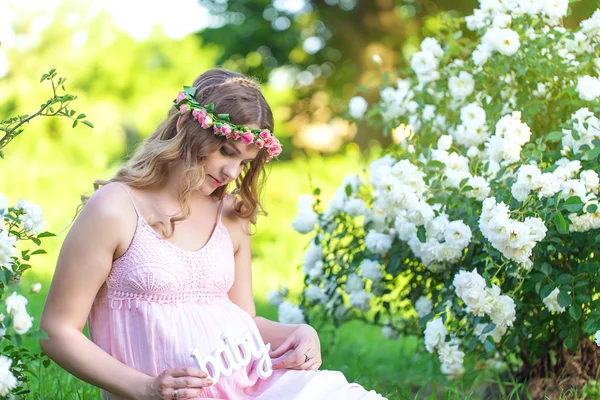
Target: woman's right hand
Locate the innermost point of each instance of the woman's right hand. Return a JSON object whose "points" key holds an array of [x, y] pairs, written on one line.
{"points": [[178, 383]]}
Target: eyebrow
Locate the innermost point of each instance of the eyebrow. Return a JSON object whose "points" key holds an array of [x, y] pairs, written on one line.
{"points": [[239, 152]]}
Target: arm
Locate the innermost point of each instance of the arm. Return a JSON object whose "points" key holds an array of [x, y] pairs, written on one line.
{"points": [[83, 265], [300, 338], [105, 225]]}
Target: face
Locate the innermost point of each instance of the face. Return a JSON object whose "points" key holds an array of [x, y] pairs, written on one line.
{"points": [[225, 165]]}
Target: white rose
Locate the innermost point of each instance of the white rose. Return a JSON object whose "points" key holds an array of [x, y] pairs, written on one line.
{"points": [[35, 288], [361, 300], [433, 46], [315, 294], [15, 303], [476, 21], [22, 322], [358, 106], [371, 270], [551, 302], [588, 88], [444, 142], [590, 180], [7, 380], [461, 86], [458, 234], [435, 334], [7, 248], [275, 297], [354, 283], [450, 354], [355, 207], [423, 306], [503, 311], [33, 219], [290, 314], [424, 62]]}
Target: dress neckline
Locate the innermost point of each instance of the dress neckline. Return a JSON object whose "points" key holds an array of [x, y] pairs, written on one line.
{"points": [[162, 239]]}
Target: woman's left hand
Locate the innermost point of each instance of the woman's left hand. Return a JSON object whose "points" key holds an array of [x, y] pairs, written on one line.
{"points": [[305, 350]]}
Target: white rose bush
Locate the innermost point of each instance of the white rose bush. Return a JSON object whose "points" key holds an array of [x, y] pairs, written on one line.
{"points": [[479, 231], [21, 234]]}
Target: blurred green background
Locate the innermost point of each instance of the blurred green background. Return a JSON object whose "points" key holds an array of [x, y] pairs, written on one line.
{"points": [[126, 61]]}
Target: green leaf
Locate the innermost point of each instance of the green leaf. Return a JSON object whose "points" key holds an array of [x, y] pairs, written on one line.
{"points": [[591, 325], [571, 342], [45, 234], [36, 241], [317, 191], [563, 279], [88, 123], [348, 190], [224, 117], [43, 78], [575, 312], [421, 234], [594, 153], [436, 164], [490, 327], [489, 345], [555, 136], [190, 91], [80, 116], [74, 123], [39, 251], [592, 208], [573, 204], [5, 275], [564, 299], [561, 224]]}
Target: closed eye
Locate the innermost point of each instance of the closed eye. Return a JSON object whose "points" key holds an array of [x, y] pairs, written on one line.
{"points": [[226, 152]]}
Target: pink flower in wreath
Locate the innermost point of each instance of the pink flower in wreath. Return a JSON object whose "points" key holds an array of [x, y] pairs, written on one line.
{"points": [[265, 134], [247, 137], [236, 135], [199, 115], [184, 108], [260, 143], [207, 122], [270, 141], [225, 129], [180, 96]]}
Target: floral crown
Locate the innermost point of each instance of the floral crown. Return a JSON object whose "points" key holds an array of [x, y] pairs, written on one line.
{"points": [[222, 125]]}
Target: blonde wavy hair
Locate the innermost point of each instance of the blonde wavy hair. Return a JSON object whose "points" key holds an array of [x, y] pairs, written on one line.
{"points": [[232, 94]]}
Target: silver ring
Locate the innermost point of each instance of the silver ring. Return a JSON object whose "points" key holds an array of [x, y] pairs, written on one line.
{"points": [[174, 394], [306, 358]]}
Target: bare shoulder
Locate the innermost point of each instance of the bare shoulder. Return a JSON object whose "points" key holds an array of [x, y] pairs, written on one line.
{"points": [[239, 228], [111, 203], [110, 210]]}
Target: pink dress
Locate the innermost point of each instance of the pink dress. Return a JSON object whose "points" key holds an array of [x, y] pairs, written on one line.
{"points": [[161, 302]]}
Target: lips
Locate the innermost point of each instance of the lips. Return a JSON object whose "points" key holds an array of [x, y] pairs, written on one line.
{"points": [[215, 181]]}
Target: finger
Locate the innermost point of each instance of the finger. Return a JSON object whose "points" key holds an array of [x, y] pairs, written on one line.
{"points": [[294, 359], [315, 366], [186, 371], [307, 364], [182, 394], [191, 382], [283, 348]]}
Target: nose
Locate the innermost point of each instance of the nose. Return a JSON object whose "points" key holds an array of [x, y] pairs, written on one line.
{"points": [[231, 171]]}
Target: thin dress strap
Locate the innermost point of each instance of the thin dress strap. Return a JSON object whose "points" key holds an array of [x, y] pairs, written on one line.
{"points": [[220, 211], [131, 198]]}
